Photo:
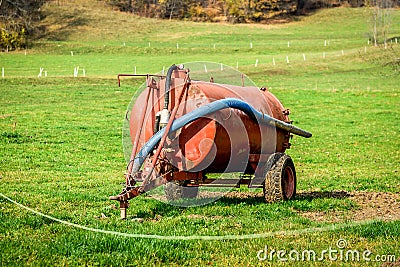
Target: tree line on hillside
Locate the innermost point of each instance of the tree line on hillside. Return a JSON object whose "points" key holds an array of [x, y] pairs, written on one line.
{"points": [[18, 18], [17, 21], [234, 11], [205, 10]]}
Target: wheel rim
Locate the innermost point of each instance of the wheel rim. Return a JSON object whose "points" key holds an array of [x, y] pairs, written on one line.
{"points": [[289, 183]]}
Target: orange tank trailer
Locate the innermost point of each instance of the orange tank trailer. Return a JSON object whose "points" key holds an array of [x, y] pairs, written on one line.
{"points": [[223, 128]]}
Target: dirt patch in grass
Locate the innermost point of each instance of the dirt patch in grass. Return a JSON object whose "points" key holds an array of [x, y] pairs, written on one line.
{"points": [[370, 205], [317, 206]]}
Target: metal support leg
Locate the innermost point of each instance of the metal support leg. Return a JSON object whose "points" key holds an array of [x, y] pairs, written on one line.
{"points": [[123, 205]]}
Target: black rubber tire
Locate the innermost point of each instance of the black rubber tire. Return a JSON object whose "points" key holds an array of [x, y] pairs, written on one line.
{"points": [[280, 178], [176, 190]]}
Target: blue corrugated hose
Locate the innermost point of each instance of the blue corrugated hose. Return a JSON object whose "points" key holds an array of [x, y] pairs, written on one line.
{"points": [[208, 109]]}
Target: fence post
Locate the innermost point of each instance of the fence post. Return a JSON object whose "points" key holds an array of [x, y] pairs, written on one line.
{"points": [[40, 72], [76, 71]]}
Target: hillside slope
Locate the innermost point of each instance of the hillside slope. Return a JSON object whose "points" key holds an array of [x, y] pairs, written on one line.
{"points": [[94, 21]]}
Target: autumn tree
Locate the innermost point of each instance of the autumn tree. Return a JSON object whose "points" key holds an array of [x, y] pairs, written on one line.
{"points": [[17, 19]]}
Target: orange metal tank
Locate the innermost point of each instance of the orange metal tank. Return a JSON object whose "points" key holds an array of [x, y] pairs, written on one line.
{"points": [[226, 141]]}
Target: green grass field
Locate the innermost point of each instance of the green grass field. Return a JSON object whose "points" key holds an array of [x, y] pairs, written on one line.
{"points": [[61, 142]]}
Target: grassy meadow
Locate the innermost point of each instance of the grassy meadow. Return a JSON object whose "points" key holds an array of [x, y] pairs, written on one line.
{"points": [[61, 140]]}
